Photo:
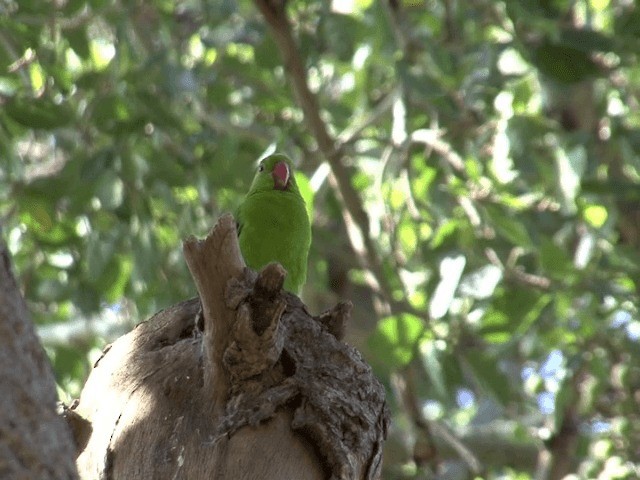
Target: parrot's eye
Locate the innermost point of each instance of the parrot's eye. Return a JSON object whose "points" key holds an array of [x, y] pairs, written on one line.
{"points": [[261, 167]]}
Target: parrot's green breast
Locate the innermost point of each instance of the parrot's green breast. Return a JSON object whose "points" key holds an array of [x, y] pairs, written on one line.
{"points": [[274, 227]]}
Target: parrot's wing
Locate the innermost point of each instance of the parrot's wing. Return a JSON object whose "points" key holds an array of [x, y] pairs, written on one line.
{"points": [[239, 221]]}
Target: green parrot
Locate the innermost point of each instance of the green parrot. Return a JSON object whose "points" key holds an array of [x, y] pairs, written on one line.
{"points": [[273, 225]]}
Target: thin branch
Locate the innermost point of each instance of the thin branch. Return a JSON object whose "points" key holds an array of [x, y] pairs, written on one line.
{"points": [[222, 123], [396, 20], [431, 138], [464, 452], [517, 273], [353, 131], [558, 460], [16, 59], [478, 446], [406, 391]]}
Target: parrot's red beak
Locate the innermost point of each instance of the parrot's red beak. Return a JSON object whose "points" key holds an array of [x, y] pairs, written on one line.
{"points": [[280, 175]]}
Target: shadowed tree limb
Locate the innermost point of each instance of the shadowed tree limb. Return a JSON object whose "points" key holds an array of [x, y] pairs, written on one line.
{"points": [[34, 440]]}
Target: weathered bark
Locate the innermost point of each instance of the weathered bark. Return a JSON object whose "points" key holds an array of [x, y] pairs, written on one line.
{"points": [[34, 440], [240, 383]]}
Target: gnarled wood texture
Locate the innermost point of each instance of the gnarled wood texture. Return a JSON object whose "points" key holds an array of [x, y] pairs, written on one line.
{"points": [[247, 385]]}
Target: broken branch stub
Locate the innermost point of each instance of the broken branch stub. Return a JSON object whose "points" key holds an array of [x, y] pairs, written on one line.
{"points": [[212, 262], [266, 391]]}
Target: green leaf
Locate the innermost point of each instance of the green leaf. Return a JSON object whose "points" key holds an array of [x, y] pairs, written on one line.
{"points": [[395, 339], [433, 364], [41, 113], [98, 255], [39, 215], [512, 313], [509, 227], [119, 287], [496, 326], [69, 362], [595, 215], [555, 261], [616, 188], [267, 54], [628, 25], [564, 63], [145, 251], [110, 190], [79, 42], [444, 232], [407, 237], [340, 31], [72, 7], [487, 370], [587, 40], [115, 278]]}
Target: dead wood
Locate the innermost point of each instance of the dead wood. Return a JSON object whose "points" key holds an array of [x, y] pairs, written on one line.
{"points": [[247, 385]]}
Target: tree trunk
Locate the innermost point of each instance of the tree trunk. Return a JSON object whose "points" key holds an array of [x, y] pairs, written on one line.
{"points": [[241, 383], [34, 440]]}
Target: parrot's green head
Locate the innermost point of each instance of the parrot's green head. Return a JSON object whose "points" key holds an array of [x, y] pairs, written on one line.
{"points": [[275, 172]]}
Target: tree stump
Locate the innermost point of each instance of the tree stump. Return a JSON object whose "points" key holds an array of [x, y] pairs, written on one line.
{"points": [[240, 383]]}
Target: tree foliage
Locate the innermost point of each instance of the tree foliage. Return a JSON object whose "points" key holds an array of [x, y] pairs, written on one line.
{"points": [[491, 246]]}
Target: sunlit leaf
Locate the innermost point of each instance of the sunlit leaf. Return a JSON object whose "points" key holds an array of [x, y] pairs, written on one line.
{"points": [[451, 268], [595, 215], [110, 190], [396, 339]]}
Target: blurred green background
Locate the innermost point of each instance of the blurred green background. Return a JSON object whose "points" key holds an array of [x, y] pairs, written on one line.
{"points": [[493, 148]]}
